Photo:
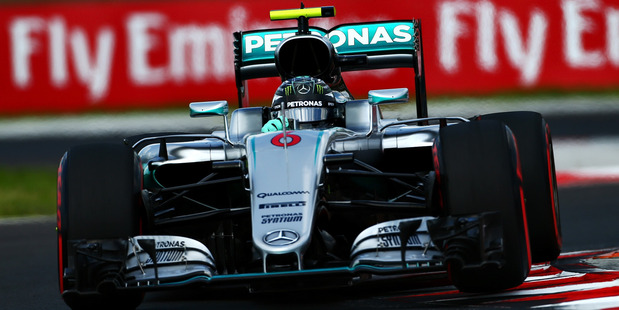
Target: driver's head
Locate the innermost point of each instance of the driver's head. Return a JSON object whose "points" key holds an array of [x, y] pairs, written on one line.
{"points": [[308, 100]]}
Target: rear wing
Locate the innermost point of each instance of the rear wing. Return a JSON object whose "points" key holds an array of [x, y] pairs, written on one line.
{"points": [[387, 44]]}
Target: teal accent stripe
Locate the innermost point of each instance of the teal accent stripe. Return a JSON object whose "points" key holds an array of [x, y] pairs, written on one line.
{"points": [[318, 140], [252, 146]]}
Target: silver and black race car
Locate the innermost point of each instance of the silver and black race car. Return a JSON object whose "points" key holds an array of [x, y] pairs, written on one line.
{"points": [[318, 190]]}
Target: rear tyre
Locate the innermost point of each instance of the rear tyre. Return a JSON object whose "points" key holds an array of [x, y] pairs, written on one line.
{"points": [[98, 198], [477, 171], [538, 181]]}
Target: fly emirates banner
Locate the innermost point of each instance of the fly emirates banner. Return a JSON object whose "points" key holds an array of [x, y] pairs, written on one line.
{"points": [[76, 57]]}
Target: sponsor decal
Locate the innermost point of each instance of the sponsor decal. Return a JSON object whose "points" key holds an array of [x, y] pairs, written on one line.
{"points": [[347, 39], [303, 88], [169, 256], [281, 237], [393, 240], [282, 205], [288, 193], [266, 42], [72, 61], [384, 35], [291, 139], [306, 103], [170, 244], [389, 229], [282, 218]]}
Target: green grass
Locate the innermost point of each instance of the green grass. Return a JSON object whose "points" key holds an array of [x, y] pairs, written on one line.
{"points": [[27, 191]]}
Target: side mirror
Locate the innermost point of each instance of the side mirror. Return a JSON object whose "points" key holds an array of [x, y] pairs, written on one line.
{"points": [[393, 95], [208, 108], [212, 108]]}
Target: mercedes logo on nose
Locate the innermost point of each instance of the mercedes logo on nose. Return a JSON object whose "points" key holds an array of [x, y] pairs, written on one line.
{"points": [[281, 237], [303, 89]]}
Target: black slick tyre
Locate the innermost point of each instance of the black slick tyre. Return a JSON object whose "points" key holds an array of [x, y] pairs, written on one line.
{"points": [[539, 181], [98, 198], [477, 171]]}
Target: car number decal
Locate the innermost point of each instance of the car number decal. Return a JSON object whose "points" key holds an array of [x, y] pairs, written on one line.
{"points": [[292, 139]]}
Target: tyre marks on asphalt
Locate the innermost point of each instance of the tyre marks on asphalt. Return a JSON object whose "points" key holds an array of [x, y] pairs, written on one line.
{"points": [[574, 280]]}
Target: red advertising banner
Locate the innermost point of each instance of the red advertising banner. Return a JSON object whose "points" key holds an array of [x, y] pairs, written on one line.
{"points": [[81, 56]]}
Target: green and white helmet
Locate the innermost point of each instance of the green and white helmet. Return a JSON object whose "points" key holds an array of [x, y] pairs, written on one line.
{"points": [[307, 100]]}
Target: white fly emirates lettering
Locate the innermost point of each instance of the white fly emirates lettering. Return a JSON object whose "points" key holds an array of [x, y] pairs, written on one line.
{"points": [[93, 68], [526, 51], [151, 49], [193, 52]]}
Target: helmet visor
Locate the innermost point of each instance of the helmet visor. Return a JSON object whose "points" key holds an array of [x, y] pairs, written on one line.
{"points": [[308, 115]]}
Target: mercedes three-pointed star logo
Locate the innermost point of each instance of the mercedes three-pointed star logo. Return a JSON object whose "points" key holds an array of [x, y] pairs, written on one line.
{"points": [[303, 89], [281, 237]]}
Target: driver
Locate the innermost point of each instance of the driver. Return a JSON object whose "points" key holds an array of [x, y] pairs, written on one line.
{"points": [[308, 101]]}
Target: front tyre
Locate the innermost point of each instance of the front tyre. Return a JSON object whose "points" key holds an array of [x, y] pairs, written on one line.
{"points": [[538, 181], [477, 170], [98, 199]]}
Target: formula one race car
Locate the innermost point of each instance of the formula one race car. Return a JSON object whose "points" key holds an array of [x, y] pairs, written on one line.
{"points": [[317, 190]]}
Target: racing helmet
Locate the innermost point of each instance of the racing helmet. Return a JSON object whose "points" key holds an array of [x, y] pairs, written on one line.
{"points": [[307, 100]]}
